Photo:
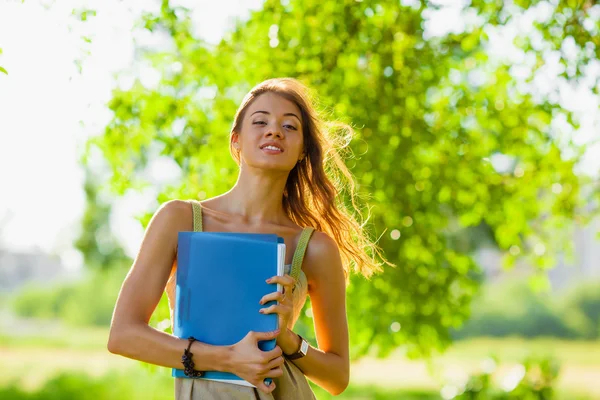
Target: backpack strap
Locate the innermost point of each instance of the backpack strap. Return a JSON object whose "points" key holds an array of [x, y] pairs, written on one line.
{"points": [[300, 250], [197, 212]]}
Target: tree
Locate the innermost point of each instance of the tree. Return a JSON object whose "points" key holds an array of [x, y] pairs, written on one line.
{"points": [[101, 251], [450, 148]]}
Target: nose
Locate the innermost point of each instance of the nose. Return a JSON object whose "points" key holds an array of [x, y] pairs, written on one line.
{"points": [[274, 131]]}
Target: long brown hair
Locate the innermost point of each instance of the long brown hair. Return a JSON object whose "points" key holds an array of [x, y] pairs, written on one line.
{"points": [[319, 184]]}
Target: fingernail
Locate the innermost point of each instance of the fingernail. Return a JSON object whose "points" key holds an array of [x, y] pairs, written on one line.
{"points": [[269, 280], [261, 311]]}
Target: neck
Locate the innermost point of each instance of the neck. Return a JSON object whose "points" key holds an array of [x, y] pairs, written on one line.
{"points": [[257, 196]]}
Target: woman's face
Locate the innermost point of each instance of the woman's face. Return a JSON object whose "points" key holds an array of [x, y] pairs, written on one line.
{"points": [[271, 134]]}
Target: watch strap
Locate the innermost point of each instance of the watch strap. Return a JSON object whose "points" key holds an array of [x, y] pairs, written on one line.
{"points": [[299, 353]]}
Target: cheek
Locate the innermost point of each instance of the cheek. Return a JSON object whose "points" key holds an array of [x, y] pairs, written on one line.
{"points": [[249, 136], [301, 144]]}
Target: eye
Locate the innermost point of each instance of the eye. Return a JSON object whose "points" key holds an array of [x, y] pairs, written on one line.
{"points": [[259, 122], [290, 127]]}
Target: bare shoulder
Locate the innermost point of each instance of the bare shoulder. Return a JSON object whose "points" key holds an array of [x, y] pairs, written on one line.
{"points": [[322, 260], [174, 214], [321, 244], [176, 207]]}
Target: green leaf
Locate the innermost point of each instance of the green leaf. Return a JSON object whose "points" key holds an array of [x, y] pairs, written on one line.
{"points": [[3, 70], [448, 169]]}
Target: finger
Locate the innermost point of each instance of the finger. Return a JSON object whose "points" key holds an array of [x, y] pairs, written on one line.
{"points": [[275, 309], [284, 280], [275, 372], [262, 386], [278, 296], [275, 363], [287, 289], [273, 354], [258, 336]]}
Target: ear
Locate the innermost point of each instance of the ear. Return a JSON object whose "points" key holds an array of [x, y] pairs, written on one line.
{"points": [[235, 140]]}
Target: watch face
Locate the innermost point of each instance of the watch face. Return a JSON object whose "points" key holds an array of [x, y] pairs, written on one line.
{"points": [[304, 347]]}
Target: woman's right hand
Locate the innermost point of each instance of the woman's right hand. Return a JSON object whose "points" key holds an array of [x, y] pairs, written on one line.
{"points": [[254, 365]]}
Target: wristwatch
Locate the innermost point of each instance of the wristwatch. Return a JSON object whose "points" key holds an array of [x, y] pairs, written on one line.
{"points": [[301, 352]]}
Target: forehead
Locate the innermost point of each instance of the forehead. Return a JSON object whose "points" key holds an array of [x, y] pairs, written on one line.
{"points": [[274, 104]]}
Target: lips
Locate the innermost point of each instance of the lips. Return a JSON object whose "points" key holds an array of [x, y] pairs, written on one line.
{"points": [[272, 145]]}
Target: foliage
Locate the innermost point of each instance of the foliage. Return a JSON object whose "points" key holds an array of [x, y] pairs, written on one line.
{"points": [[502, 310], [90, 302], [451, 148], [513, 309], [581, 309], [534, 379], [97, 244]]}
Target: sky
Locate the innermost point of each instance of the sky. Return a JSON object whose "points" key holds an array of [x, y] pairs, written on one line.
{"points": [[48, 108]]}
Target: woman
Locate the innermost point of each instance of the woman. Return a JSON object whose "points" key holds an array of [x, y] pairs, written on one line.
{"points": [[283, 151]]}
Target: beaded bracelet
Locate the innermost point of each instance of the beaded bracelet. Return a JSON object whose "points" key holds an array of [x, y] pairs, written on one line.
{"points": [[188, 363]]}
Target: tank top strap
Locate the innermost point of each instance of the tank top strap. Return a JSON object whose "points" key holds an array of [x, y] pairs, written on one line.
{"points": [[197, 213], [300, 250]]}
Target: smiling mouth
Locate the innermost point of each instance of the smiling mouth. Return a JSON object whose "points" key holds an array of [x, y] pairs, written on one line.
{"points": [[272, 149]]}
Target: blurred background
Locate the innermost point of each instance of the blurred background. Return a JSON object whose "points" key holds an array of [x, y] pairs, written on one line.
{"points": [[477, 152]]}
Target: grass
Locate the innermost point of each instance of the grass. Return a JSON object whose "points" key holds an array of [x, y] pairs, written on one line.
{"points": [[579, 360], [370, 392], [141, 384], [585, 353], [115, 385], [36, 366], [77, 339]]}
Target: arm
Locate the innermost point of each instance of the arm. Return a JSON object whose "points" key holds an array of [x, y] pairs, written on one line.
{"points": [[329, 364], [130, 335]]}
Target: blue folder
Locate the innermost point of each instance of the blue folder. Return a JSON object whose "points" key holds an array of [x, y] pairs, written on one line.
{"points": [[221, 277]]}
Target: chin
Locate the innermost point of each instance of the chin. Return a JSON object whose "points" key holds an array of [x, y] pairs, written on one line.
{"points": [[271, 165]]}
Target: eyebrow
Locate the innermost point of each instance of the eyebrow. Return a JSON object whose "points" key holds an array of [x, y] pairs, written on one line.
{"points": [[285, 115]]}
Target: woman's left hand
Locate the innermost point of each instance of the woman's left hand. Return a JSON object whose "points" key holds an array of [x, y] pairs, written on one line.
{"points": [[284, 309]]}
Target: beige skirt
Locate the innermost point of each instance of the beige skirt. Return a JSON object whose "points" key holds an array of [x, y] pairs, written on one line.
{"points": [[292, 385]]}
